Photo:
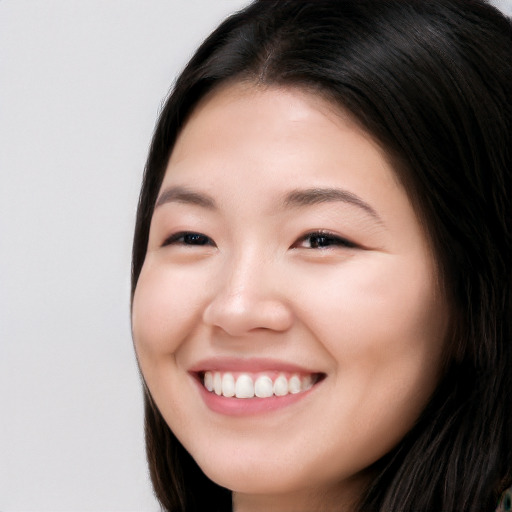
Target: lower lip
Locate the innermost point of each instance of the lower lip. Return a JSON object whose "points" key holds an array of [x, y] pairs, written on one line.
{"points": [[248, 406]]}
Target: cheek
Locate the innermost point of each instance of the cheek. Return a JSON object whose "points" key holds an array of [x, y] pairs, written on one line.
{"points": [[164, 309], [386, 335], [384, 326], [378, 306]]}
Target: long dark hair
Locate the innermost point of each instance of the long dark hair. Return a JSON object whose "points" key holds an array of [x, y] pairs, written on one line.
{"points": [[432, 82]]}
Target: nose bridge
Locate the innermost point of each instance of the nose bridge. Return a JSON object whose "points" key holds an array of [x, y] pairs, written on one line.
{"points": [[247, 295], [246, 275]]}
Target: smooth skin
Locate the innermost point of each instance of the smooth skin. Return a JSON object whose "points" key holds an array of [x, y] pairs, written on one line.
{"points": [[300, 245]]}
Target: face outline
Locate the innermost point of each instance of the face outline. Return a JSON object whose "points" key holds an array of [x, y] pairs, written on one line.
{"points": [[258, 287]]}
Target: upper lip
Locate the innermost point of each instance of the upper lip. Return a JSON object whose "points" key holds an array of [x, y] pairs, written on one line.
{"points": [[252, 364]]}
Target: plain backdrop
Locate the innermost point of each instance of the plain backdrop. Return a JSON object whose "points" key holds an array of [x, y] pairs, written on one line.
{"points": [[81, 84]]}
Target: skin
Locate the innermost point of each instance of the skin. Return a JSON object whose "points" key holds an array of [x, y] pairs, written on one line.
{"points": [[367, 314]]}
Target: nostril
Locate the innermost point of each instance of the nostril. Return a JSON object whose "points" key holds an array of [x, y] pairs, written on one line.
{"points": [[243, 313]]}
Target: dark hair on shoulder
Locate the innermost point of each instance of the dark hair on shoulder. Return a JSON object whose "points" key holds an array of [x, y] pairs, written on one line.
{"points": [[431, 81]]}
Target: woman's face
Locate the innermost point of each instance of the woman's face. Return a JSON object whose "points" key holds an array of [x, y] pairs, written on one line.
{"points": [[285, 256]]}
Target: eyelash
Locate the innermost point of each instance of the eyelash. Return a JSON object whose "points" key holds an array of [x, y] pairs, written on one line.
{"points": [[324, 239], [317, 240], [189, 238]]}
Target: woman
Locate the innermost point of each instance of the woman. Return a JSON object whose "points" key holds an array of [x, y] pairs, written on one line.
{"points": [[321, 265]]}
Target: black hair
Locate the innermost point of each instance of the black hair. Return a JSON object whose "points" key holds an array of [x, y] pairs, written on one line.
{"points": [[431, 81]]}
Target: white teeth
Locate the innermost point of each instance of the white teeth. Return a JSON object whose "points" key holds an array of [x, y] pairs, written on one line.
{"points": [[217, 383], [306, 382], [294, 384], [208, 381], [263, 387], [225, 384], [281, 386], [228, 385], [244, 387]]}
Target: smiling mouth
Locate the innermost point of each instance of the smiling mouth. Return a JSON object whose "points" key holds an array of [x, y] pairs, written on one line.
{"points": [[245, 385]]}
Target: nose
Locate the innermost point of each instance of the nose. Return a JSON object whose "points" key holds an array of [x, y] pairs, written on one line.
{"points": [[249, 296]]}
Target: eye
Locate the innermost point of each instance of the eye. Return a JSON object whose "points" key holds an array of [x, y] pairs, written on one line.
{"points": [[188, 238], [323, 240]]}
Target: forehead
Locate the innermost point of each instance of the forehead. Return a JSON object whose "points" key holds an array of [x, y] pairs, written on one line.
{"points": [[272, 105], [247, 147], [277, 128]]}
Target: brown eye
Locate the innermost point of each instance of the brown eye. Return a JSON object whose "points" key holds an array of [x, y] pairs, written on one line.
{"points": [[188, 238], [321, 240]]}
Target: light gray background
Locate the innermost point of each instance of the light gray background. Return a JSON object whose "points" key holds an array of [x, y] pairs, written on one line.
{"points": [[81, 83]]}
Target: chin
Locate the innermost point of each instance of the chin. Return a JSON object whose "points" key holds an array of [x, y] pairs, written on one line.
{"points": [[253, 482], [249, 476]]}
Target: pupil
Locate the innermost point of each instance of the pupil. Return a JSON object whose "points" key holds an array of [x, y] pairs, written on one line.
{"points": [[195, 239], [318, 241]]}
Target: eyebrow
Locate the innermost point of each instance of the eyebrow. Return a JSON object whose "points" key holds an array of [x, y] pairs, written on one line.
{"points": [[307, 197], [184, 195], [294, 199]]}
